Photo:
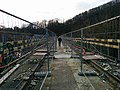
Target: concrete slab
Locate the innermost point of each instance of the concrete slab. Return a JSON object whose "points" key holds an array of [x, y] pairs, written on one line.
{"points": [[62, 77], [82, 81], [62, 55], [65, 74]]}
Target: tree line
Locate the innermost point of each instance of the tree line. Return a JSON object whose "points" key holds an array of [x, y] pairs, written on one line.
{"points": [[92, 16]]}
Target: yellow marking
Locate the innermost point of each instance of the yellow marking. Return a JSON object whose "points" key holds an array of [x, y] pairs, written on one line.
{"points": [[11, 42], [25, 40], [102, 40], [102, 44], [97, 40], [20, 41], [26, 45], [109, 40], [118, 40], [22, 47], [16, 48], [29, 44]]}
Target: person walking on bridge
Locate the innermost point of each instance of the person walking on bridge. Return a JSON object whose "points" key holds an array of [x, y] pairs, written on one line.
{"points": [[59, 41]]}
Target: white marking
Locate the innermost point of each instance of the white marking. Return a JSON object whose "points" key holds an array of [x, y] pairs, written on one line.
{"points": [[8, 74]]}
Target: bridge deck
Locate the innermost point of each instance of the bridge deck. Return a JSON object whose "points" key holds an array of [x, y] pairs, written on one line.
{"points": [[65, 74], [62, 77]]}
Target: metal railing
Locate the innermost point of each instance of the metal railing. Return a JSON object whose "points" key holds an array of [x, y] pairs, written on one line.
{"points": [[25, 36], [102, 38]]}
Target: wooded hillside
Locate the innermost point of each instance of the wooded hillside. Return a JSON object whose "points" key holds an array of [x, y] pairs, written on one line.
{"points": [[94, 15]]}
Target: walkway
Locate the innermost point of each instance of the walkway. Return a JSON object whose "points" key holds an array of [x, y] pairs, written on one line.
{"points": [[62, 76], [65, 74]]}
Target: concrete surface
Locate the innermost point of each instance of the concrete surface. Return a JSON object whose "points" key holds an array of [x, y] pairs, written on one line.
{"points": [[65, 74]]}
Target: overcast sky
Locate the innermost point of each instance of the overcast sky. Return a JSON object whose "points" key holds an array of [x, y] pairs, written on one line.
{"points": [[37, 10]]}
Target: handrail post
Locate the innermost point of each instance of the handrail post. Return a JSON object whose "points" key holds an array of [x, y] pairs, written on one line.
{"points": [[47, 49], [81, 58], [71, 47], [118, 27]]}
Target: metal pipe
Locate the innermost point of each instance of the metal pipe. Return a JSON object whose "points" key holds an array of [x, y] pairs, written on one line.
{"points": [[118, 27], [119, 52], [47, 49], [71, 48], [43, 81], [89, 81], [81, 47]]}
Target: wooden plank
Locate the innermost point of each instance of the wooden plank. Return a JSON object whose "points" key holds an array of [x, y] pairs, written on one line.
{"points": [[39, 54], [93, 57], [41, 50]]}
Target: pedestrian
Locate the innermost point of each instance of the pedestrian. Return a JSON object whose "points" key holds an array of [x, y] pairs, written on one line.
{"points": [[59, 41]]}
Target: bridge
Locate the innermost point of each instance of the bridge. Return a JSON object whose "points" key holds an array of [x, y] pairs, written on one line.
{"points": [[31, 59]]}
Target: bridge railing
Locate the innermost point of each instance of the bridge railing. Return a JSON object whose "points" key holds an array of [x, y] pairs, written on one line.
{"points": [[19, 39], [102, 38], [22, 34]]}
